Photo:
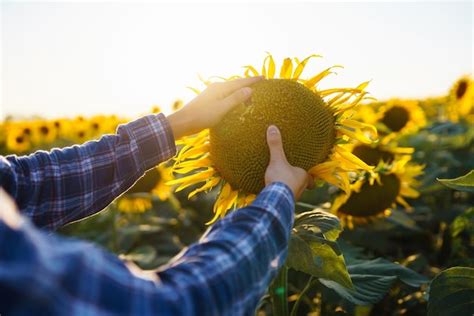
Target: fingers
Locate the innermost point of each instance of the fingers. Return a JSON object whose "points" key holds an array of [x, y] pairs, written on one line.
{"points": [[235, 98], [230, 86], [275, 144]]}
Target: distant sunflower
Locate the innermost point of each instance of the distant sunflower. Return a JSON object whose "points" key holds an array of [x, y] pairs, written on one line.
{"points": [[373, 196], [313, 122], [98, 125], [394, 117], [461, 99], [76, 130], [177, 104], [18, 139], [43, 132], [434, 107], [155, 109], [81, 134], [138, 198], [379, 154]]}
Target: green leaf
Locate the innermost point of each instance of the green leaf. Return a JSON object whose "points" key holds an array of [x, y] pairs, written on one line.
{"points": [[372, 279], [142, 256], [400, 218], [452, 292], [313, 250], [463, 222], [319, 221], [317, 259], [463, 183]]}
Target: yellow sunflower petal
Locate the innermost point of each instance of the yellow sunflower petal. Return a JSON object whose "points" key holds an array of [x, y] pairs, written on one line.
{"points": [[207, 186], [286, 69], [352, 159], [196, 91], [403, 202], [300, 65], [270, 73], [192, 152], [250, 71], [360, 126], [409, 192], [311, 82], [192, 179], [355, 135]]}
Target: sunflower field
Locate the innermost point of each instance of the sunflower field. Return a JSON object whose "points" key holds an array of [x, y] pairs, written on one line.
{"points": [[388, 229]]}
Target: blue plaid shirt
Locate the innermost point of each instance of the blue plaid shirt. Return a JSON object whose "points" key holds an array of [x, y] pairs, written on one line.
{"points": [[225, 273]]}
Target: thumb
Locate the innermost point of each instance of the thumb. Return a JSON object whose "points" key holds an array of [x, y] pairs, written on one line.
{"points": [[235, 98], [275, 144]]}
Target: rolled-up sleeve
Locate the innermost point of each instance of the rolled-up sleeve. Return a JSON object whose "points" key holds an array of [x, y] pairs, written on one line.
{"points": [[63, 185]]}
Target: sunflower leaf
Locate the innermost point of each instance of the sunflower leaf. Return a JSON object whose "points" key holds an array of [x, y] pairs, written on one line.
{"points": [[463, 183], [463, 222], [319, 221], [317, 259], [372, 279], [313, 250], [452, 292]]}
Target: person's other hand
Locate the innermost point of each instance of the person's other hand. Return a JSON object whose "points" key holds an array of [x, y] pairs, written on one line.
{"points": [[208, 108], [279, 170]]}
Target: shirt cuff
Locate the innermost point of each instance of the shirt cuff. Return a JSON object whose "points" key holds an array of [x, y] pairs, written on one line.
{"points": [[154, 138], [278, 199]]}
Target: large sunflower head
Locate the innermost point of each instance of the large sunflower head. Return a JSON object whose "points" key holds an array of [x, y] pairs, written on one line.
{"points": [[461, 99], [373, 195], [275, 101], [138, 198], [313, 124], [394, 118]]}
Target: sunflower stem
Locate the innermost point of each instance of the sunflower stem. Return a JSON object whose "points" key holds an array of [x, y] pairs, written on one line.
{"points": [[279, 293], [174, 202], [308, 285]]}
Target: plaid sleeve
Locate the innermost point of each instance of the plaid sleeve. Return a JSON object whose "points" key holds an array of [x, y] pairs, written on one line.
{"points": [[225, 273], [232, 265], [63, 185]]}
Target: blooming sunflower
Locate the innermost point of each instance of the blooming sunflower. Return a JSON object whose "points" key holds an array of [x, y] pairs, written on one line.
{"points": [[138, 198], [394, 118], [18, 139], [233, 155], [43, 132], [434, 107], [177, 104], [461, 99], [155, 109], [76, 130], [373, 195]]}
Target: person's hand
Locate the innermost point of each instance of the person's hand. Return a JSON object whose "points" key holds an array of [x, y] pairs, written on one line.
{"points": [[208, 108], [279, 170]]}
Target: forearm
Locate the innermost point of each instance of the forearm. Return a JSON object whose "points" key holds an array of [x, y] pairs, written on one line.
{"points": [[57, 187], [235, 261], [225, 273]]}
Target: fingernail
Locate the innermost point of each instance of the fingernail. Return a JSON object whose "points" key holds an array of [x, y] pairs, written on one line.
{"points": [[272, 130], [246, 91]]}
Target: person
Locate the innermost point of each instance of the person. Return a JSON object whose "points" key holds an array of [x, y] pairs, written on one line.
{"points": [[225, 273]]}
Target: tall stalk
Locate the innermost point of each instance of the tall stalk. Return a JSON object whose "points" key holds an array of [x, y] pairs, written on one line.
{"points": [[279, 293], [310, 283]]}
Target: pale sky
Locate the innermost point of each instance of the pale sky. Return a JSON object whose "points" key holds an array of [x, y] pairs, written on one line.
{"points": [[87, 58]]}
